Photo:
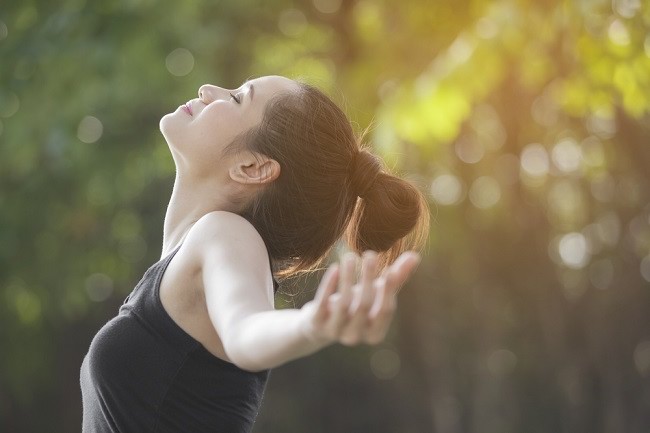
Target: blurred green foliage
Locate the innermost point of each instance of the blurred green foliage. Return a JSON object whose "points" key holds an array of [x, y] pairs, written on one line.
{"points": [[525, 121]]}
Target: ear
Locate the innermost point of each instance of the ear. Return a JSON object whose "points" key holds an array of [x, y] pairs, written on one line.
{"points": [[254, 168]]}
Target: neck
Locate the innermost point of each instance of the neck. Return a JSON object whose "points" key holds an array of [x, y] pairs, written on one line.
{"points": [[191, 199]]}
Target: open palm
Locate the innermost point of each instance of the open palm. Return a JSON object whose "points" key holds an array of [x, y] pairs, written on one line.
{"points": [[359, 311]]}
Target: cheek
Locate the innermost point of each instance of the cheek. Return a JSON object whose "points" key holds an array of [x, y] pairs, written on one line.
{"points": [[214, 128]]}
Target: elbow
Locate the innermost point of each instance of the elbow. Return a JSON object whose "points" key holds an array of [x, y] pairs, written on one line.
{"points": [[241, 356], [247, 365]]}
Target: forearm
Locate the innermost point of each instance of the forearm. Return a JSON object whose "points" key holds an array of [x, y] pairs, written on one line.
{"points": [[269, 339]]}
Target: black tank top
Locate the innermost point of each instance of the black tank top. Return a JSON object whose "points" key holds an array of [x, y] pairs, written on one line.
{"points": [[143, 373]]}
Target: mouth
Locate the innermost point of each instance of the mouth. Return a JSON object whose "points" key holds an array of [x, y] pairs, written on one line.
{"points": [[188, 108]]}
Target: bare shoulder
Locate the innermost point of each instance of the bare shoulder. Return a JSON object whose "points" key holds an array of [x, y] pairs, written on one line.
{"points": [[226, 239], [225, 228]]}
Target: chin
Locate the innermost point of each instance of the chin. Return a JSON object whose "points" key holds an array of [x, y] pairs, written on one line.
{"points": [[168, 127]]}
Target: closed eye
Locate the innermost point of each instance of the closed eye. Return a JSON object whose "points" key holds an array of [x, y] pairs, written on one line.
{"points": [[237, 100]]}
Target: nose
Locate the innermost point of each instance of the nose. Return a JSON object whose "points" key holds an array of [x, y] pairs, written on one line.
{"points": [[208, 93]]}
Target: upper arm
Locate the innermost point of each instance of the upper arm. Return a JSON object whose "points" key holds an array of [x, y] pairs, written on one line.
{"points": [[235, 271]]}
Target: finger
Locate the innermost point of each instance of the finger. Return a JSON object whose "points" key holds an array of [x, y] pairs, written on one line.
{"points": [[364, 295], [348, 277], [392, 277], [348, 274], [326, 288], [327, 284], [380, 297], [401, 269], [333, 301], [382, 312], [363, 300], [346, 280]]}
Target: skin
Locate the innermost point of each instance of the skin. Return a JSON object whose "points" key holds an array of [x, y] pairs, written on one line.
{"points": [[350, 312], [201, 214], [205, 181]]}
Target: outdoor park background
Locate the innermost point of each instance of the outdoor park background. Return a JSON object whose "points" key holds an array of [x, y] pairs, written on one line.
{"points": [[526, 122]]}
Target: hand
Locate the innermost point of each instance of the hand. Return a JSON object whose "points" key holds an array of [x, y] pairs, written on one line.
{"points": [[357, 312]]}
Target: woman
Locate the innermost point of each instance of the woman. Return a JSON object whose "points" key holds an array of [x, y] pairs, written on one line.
{"points": [[268, 176]]}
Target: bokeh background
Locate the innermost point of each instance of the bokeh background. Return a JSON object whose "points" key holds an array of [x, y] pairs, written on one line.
{"points": [[526, 123]]}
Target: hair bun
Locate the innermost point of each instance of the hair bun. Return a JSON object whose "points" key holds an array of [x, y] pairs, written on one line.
{"points": [[365, 169]]}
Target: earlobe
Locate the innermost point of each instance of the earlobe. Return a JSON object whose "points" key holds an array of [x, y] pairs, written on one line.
{"points": [[253, 171]]}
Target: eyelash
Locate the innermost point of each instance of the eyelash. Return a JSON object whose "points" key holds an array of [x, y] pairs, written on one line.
{"points": [[235, 98]]}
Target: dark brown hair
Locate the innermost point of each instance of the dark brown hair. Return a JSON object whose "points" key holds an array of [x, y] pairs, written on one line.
{"points": [[314, 201]]}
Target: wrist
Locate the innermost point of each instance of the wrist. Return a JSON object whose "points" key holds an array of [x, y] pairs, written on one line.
{"points": [[308, 331]]}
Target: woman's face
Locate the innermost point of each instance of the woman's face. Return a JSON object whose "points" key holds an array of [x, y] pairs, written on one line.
{"points": [[199, 130]]}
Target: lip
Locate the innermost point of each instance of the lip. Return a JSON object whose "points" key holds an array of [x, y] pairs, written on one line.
{"points": [[188, 108]]}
